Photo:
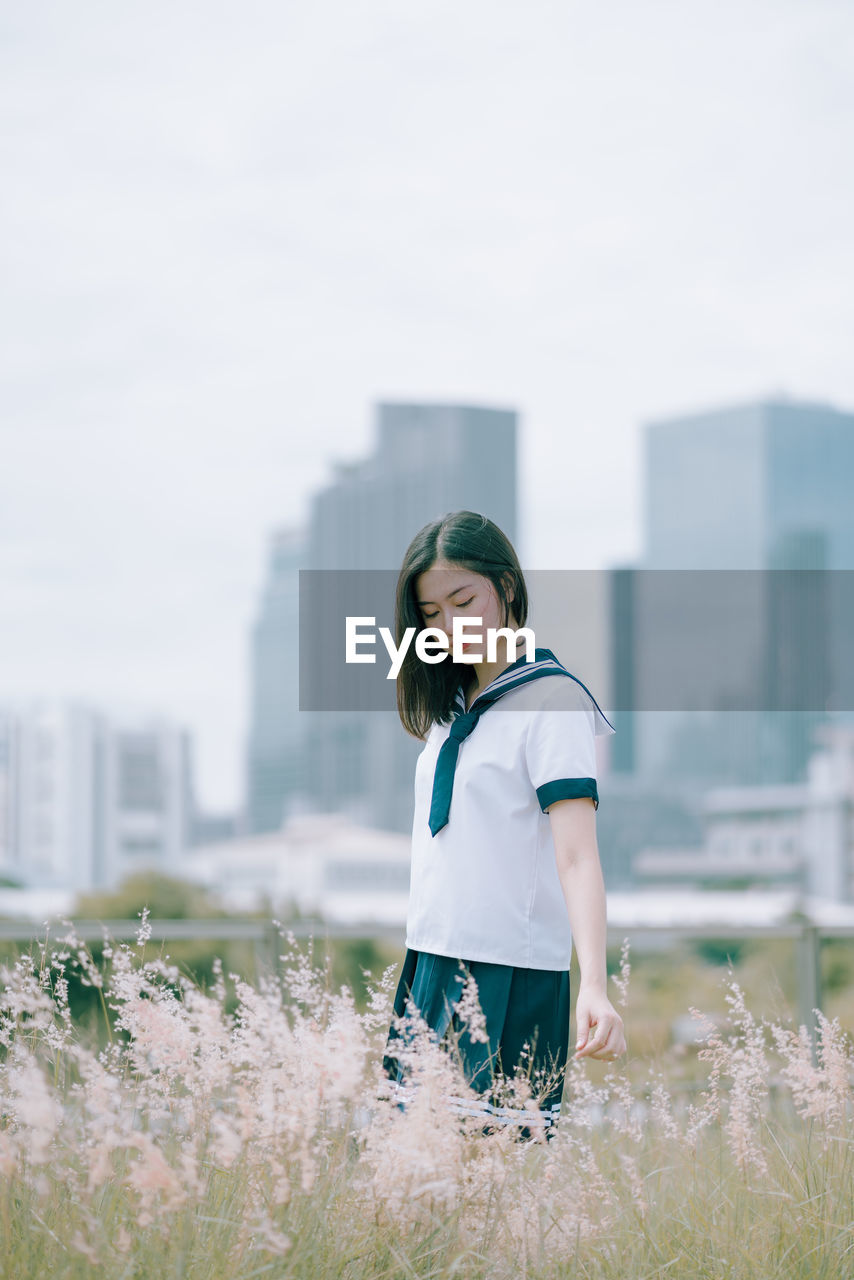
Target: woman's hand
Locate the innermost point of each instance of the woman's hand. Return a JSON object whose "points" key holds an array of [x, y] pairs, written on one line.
{"points": [[599, 1026]]}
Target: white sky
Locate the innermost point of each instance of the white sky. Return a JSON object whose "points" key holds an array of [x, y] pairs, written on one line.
{"points": [[227, 230]]}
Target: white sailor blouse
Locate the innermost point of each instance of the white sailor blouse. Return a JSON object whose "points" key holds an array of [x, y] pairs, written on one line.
{"points": [[484, 883]]}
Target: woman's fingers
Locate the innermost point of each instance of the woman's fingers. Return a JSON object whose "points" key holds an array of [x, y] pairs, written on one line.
{"points": [[606, 1040], [613, 1041]]}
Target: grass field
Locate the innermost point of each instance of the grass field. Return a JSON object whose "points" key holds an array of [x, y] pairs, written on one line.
{"points": [[245, 1130]]}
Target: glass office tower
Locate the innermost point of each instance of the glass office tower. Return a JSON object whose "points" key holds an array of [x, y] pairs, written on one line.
{"points": [[762, 486], [274, 754], [430, 459]]}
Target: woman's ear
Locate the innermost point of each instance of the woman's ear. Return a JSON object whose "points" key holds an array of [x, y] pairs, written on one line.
{"points": [[510, 595]]}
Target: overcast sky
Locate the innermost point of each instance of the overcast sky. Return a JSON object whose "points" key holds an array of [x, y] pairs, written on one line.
{"points": [[227, 230]]}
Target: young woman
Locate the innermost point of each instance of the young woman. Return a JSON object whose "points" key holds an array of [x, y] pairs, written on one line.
{"points": [[505, 864]]}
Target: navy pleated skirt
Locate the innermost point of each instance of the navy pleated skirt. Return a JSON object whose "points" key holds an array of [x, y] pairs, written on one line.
{"points": [[526, 1012]]}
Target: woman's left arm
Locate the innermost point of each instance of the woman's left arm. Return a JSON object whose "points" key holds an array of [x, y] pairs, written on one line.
{"points": [[599, 1027]]}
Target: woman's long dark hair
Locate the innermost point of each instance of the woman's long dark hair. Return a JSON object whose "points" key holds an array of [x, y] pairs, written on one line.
{"points": [[425, 692]]}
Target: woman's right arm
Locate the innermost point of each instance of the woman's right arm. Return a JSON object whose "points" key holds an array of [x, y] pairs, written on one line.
{"points": [[573, 824]]}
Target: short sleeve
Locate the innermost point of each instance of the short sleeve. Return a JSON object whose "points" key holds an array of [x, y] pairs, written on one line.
{"points": [[560, 747]]}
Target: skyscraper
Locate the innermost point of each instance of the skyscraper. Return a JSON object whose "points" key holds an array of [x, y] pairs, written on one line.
{"points": [[732, 488], [764, 486], [430, 459], [274, 755]]}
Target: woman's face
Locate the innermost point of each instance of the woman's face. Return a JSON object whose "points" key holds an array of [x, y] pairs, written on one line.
{"points": [[446, 591]]}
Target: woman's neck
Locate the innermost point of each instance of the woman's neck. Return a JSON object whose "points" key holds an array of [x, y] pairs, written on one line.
{"points": [[484, 673]]}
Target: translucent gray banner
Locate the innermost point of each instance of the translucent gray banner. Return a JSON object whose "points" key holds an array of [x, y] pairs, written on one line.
{"points": [[640, 639]]}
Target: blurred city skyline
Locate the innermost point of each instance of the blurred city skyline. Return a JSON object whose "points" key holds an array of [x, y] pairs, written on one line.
{"points": [[229, 236]]}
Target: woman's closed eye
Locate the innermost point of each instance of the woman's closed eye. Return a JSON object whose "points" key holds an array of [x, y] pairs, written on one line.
{"points": [[464, 605]]}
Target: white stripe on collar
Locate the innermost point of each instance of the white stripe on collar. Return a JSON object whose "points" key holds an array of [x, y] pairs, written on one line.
{"points": [[515, 676]]}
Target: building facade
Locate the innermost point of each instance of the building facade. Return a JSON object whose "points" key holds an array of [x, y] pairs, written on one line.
{"points": [[763, 487], [274, 760], [429, 459], [797, 834], [85, 800]]}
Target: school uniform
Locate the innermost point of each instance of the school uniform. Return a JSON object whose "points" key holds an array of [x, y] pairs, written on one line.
{"points": [[485, 894]]}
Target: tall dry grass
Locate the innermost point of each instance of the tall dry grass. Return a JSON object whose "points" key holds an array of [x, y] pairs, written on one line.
{"points": [[268, 1141]]}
